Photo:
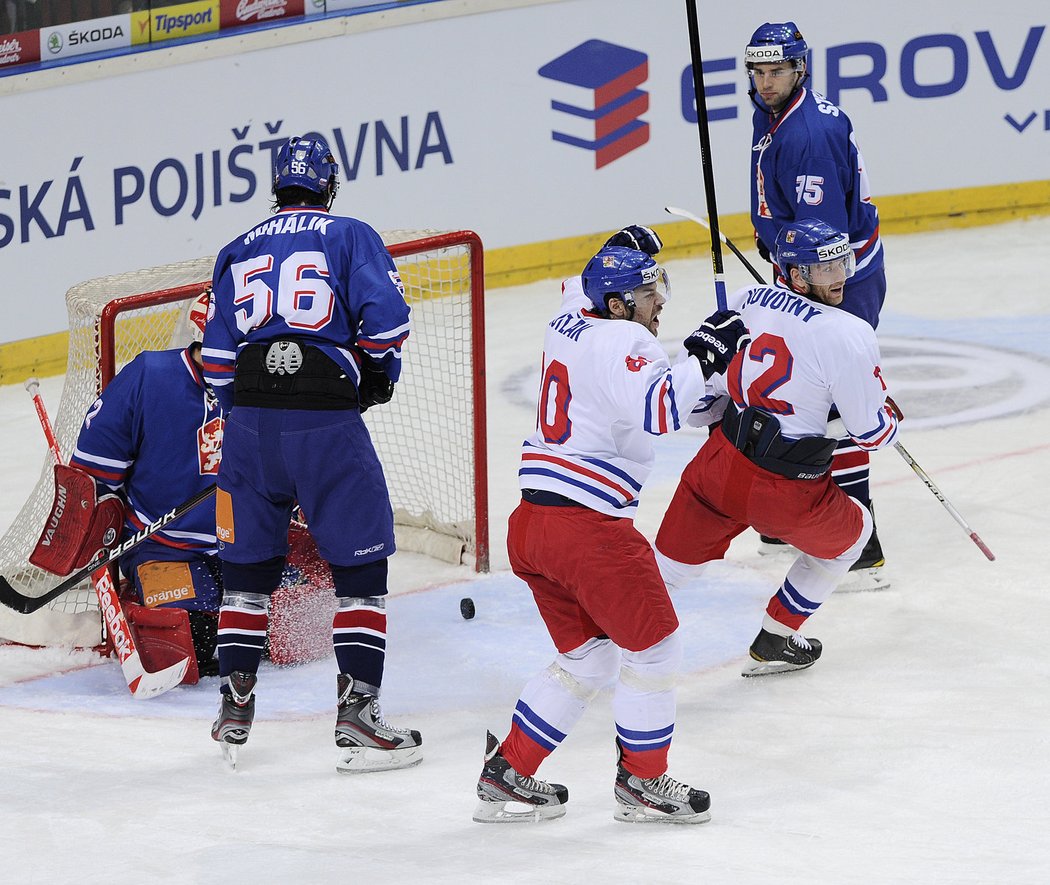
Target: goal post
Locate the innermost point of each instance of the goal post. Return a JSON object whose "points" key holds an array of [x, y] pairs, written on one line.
{"points": [[430, 438]]}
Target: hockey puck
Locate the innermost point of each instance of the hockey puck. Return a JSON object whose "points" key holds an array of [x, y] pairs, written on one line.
{"points": [[466, 608]]}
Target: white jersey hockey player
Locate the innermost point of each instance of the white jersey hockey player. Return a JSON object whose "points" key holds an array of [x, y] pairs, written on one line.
{"points": [[606, 390], [767, 466]]}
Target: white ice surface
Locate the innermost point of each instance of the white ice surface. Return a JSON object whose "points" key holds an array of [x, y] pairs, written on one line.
{"points": [[915, 751]]}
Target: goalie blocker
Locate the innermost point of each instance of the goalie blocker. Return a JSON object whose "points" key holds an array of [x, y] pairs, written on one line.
{"points": [[79, 525]]}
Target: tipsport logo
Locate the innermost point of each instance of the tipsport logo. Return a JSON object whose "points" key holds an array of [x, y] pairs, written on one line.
{"points": [[597, 100]]}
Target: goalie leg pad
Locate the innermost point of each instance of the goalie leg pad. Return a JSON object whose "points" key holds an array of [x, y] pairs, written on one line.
{"points": [[79, 525], [163, 637]]}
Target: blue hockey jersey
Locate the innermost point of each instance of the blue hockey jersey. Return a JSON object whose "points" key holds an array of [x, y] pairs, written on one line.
{"points": [[323, 279], [805, 164], [154, 435]]}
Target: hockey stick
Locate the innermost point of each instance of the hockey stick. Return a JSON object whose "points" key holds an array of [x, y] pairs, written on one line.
{"points": [[10, 597], [919, 472], [682, 213], [705, 150], [903, 452], [141, 682]]}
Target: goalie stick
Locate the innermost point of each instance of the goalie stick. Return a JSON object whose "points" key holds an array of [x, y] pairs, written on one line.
{"points": [[141, 682], [903, 452], [26, 605]]}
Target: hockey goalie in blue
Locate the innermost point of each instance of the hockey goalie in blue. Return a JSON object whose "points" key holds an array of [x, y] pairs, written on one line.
{"points": [[152, 439]]}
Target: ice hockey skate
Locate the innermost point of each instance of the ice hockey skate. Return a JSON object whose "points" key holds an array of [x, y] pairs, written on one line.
{"points": [[866, 574], [768, 546], [771, 654], [504, 796], [657, 799], [365, 740], [236, 712]]}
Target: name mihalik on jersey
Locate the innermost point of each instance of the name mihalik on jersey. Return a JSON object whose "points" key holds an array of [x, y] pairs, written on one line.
{"points": [[291, 224]]}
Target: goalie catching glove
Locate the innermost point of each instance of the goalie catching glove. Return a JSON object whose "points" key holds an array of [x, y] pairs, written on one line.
{"points": [[717, 341], [79, 525]]}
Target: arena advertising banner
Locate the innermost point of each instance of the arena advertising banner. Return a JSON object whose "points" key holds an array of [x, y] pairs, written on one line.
{"points": [[528, 125], [234, 13], [172, 22], [79, 38], [20, 48]]}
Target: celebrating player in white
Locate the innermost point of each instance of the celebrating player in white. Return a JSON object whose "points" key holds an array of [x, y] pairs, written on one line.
{"points": [[768, 465], [607, 389]]}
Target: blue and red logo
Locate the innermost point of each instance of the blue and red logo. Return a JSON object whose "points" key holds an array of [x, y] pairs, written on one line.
{"points": [[599, 101]]}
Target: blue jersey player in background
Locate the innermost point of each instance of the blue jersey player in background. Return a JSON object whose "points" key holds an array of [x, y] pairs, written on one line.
{"points": [[305, 330], [805, 163]]}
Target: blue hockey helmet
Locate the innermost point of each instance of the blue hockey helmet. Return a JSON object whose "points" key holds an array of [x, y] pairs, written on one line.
{"points": [[774, 42], [307, 163], [822, 254], [617, 270]]}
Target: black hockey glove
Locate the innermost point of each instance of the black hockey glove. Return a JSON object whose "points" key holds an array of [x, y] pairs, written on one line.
{"points": [[375, 387], [717, 341], [634, 236], [763, 249]]}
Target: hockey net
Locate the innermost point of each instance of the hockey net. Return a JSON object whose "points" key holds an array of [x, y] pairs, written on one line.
{"points": [[430, 437]]}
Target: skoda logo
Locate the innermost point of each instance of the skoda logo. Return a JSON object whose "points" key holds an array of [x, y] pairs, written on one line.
{"points": [[54, 42]]}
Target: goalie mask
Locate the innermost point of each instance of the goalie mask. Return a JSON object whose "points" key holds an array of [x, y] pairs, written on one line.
{"points": [[197, 315], [307, 163], [617, 271], [822, 254]]}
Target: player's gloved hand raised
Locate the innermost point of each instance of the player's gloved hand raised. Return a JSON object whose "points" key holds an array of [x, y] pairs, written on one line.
{"points": [[375, 387], [717, 341], [634, 236], [763, 249]]}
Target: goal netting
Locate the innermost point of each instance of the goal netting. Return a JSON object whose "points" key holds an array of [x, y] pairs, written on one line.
{"points": [[430, 437]]}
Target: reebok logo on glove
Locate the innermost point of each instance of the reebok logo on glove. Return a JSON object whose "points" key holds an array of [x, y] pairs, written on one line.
{"points": [[717, 341]]}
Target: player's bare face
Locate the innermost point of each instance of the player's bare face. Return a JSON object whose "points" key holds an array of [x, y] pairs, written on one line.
{"points": [[774, 83], [649, 300], [826, 281], [830, 295]]}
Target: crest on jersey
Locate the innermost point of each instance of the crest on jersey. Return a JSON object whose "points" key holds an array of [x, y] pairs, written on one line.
{"points": [[395, 278], [636, 363], [209, 446]]}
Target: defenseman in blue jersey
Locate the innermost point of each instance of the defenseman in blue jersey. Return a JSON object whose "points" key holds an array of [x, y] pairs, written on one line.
{"points": [[805, 163], [122, 447], [305, 330]]}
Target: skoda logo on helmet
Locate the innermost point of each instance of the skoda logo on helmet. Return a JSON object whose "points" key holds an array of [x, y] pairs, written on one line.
{"points": [[833, 250], [763, 54], [650, 274]]}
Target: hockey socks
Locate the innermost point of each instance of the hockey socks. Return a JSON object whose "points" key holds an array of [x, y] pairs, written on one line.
{"points": [[243, 619], [359, 638]]}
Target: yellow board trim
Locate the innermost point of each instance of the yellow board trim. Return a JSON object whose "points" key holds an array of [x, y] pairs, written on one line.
{"points": [[515, 265]]}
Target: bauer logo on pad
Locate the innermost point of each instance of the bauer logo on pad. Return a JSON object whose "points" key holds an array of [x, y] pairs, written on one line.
{"points": [[597, 101]]}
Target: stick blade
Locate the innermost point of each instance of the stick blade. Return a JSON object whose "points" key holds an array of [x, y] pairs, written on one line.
{"points": [[149, 685], [10, 597]]}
